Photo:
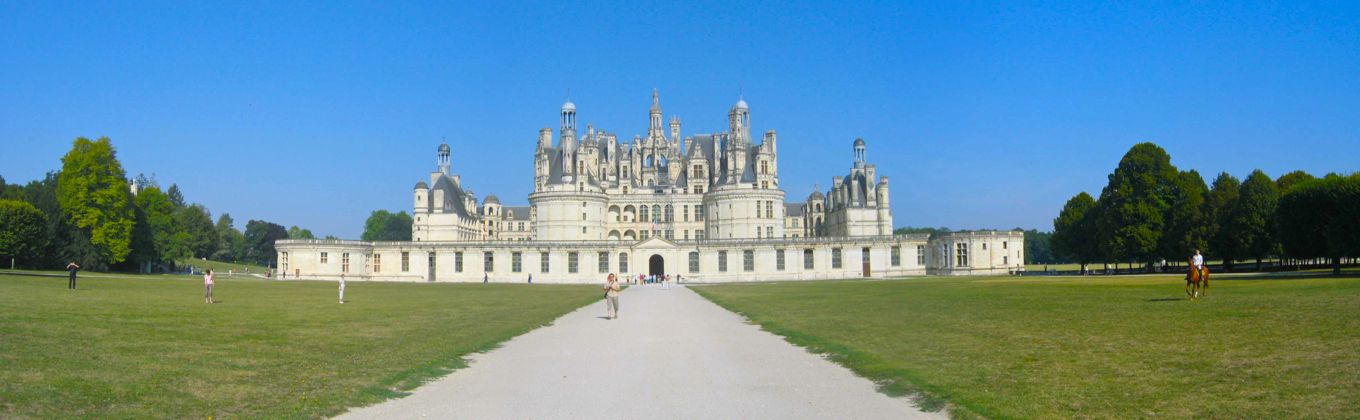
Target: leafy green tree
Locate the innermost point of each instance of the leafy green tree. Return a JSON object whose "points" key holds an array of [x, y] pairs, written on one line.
{"points": [[176, 197], [1253, 215], [1039, 247], [1223, 244], [259, 238], [93, 189], [197, 231], [10, 192], [383, 225], [1321, 218], [230, 241], [1187, 226], [22, 231], [1135, 202], [61, 245], [1074, 231], [1287, 181], [398, 227], [295, 232]]}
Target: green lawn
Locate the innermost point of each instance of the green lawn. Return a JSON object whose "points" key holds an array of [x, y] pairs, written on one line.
{"points": [[136, 347], [1124, 347]]}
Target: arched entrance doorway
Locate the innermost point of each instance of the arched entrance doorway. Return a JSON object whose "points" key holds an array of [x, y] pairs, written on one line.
{"points": [[656, 265]]}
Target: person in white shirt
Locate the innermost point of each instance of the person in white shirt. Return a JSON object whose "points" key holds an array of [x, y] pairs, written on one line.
{"points": [[1196, 263]]}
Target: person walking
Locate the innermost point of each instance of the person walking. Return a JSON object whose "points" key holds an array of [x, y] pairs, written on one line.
{"points": [[72, 267], [208, 286], [611, 296], [342, 289]]}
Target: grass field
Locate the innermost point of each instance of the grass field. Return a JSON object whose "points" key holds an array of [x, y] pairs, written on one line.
{"points": [[1112, 347], [147, 346]]}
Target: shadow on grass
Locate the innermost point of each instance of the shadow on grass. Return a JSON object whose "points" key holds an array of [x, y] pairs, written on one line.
{"points": [[1165, 299]]}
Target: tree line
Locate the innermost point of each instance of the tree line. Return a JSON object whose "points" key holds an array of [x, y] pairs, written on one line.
{"points": [[1150, 211], [90, 212]]}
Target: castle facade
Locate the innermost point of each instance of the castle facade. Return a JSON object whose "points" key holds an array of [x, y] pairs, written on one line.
{"points": [[708, 207]]}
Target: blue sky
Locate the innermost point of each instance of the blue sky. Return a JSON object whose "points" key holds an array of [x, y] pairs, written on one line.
{"points": [[983, 114]]}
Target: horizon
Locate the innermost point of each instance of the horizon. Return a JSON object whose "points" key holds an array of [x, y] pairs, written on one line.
{"points": [[981, 117]]}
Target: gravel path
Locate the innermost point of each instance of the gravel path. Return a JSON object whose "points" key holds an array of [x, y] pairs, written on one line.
{"points": [[671, 354]]}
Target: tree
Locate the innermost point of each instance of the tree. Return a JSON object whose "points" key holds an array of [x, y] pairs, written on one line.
{"points": [[1134, 203], [93, 190], [1287, 181], [22, 231], [176, 197], [295, 232], [197, 230], [1074, 231], [230, 241], [1187, 225], [1321, 218], [154, 237], [61, 244], [1039, 247], [1223, 243], [259, 238], [398, 227], [1252, 215], [386, 226]]}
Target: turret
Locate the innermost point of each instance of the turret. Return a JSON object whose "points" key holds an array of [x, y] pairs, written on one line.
{"points": [[859, 153], [443, 158], [655, 128], [421, 195]]}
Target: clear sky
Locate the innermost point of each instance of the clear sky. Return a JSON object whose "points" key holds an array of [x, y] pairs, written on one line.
{"points": [[988, 114]]}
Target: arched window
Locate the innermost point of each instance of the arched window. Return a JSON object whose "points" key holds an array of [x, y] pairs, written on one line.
{"points": [[648, 162]]}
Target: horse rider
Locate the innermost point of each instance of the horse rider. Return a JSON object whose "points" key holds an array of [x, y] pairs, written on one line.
{"points": [[1196, 264]]}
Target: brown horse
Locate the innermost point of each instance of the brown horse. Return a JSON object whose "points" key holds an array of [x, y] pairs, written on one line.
{"points": [[1197, 282]]}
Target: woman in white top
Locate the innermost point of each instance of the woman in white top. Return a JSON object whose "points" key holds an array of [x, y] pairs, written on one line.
{"points": [[611, 296], [207, 286]]}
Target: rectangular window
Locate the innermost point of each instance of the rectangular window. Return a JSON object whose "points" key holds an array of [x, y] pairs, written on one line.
{"points": [[604, 262], [961, 254], [769, 209], [670, 234], [644, 234], [769, 231], [377, 263], [458, 262], [284, 260], [764, 185], [516, 262], [344, 263], [685, 212], [686, 234], [405, 261], [699, 234], [693, 262], [835, 258], [897, 256], [1003, 245], [623, 262], [984, 246], [920, 255], [543, 262], [807, 259], [722, 261], [779, 259], [748, 260], [488, 261], [1005, 260], [323, 257], [699, 213], [572, 267]]}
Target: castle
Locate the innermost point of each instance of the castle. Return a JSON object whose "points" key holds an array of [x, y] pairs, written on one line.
{"points": [[688, 206]]}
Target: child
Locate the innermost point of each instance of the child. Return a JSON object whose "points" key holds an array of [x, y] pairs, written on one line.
{"points": [[207, 286]]}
